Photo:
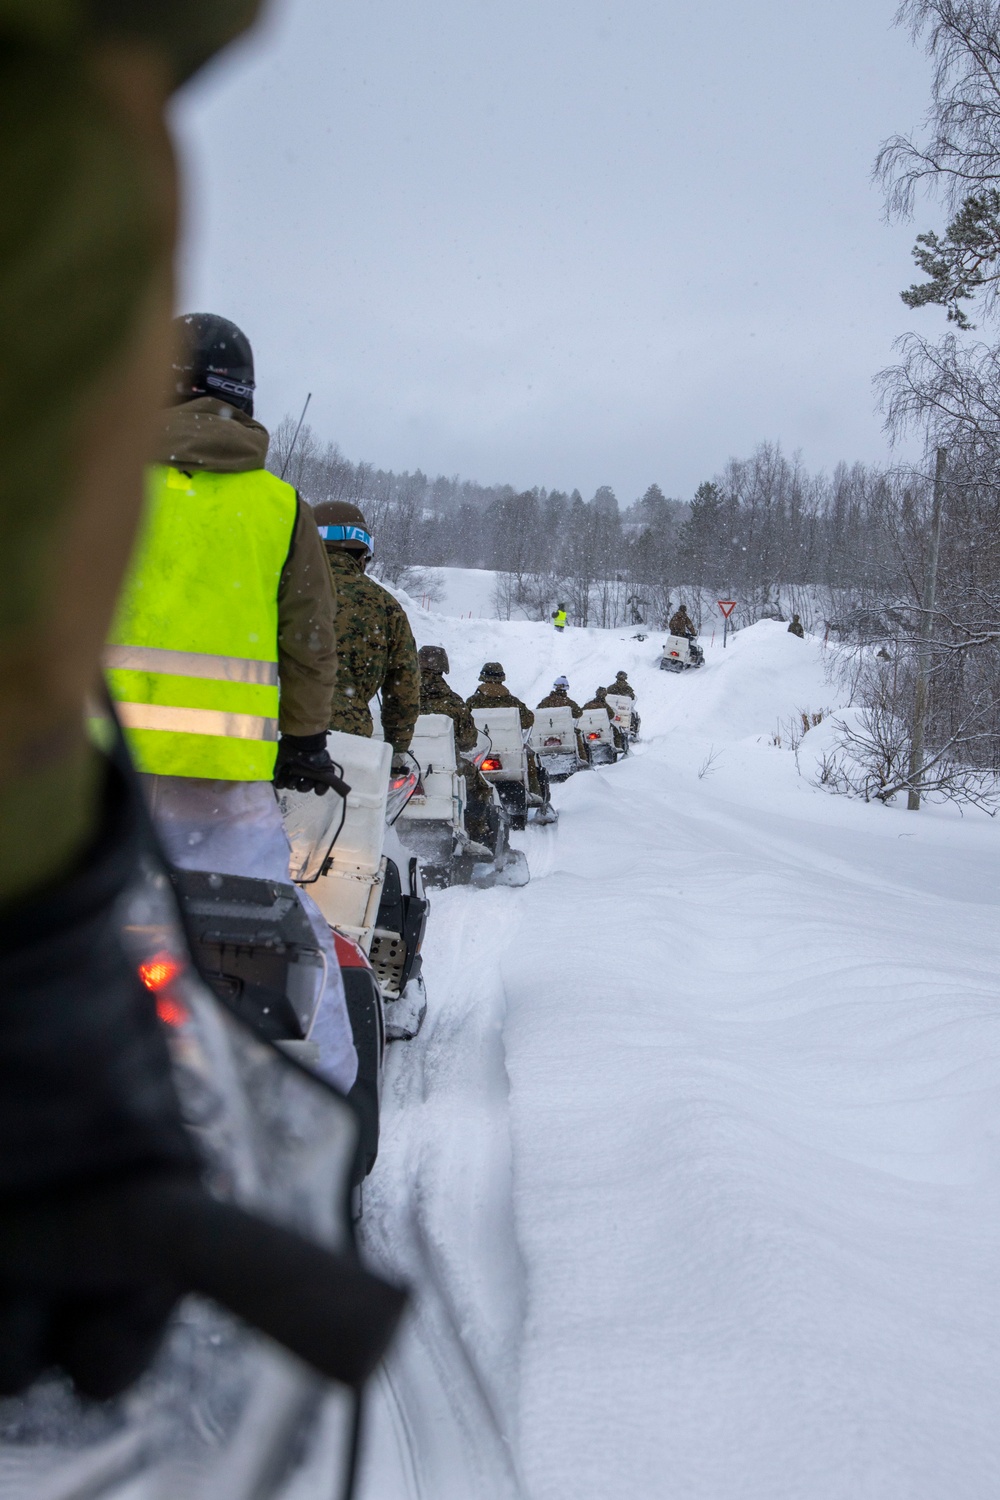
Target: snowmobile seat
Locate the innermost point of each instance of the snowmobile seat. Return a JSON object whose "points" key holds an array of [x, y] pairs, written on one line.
{"points": [[598, 736], [553, 739]]}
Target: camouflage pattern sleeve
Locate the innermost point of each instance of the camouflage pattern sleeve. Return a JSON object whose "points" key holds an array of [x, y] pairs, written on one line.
{"points": [[401, 688]]}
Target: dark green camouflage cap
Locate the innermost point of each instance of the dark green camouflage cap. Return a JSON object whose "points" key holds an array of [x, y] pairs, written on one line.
{"points": [[492, 672], [433, 659]]}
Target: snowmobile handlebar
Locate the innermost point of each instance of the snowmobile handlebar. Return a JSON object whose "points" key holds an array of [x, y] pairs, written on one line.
{"points": [[320, 1304], [327, 775]]}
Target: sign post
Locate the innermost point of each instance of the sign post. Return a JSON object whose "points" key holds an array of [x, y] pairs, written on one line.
{"points": [[727, 606]]}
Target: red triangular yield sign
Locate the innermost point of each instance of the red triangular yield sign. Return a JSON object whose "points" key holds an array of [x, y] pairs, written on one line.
{"points": [[727, 606]]}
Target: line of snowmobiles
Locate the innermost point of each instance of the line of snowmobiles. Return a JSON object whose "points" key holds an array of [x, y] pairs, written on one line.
{"points": [[367, 860], [224, 1411]]}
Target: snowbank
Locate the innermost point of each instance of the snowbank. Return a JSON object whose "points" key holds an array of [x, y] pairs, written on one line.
{"points": [[696, 1157]]}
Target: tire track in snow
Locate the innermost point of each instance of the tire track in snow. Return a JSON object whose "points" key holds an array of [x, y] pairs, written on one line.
{"points": [[438, 1214]]}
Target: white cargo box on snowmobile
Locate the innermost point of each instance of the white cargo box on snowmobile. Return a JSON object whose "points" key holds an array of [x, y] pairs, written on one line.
{"points": [[553, 739], [679, 653], [598, 736], [626, 720], [349, 890], [440, 794], [506, 759]]}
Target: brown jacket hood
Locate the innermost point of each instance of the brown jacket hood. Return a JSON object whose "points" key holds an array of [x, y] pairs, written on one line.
{"points": [[210, 434]]}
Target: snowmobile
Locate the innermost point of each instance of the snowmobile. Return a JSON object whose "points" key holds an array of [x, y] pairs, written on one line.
{"points": [[681, 653], [506, 766], [433, 822], [223, 1410], [553, 739], [598, 737], [367, 885]]}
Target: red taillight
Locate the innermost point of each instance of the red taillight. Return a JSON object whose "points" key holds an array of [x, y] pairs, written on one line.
{"points": [[172, 1012], [675, 653], [492, 763], [593, 735], [157, 972]]}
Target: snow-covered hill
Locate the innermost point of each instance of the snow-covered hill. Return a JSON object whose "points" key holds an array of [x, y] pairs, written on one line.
{"points": [[696, 1158]]}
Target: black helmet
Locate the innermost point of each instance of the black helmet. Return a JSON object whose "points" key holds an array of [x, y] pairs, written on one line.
{"points": [[433, 658], [213, 358], [342, 524], [492, 672]]}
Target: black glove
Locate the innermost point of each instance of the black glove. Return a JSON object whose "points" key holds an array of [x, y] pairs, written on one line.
{"points": [[303, 764], [87, 1104]]}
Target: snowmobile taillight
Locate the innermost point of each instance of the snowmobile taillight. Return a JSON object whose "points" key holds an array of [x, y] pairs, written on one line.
{"points": [[675, 653], [594, 735], [157, 972], [553, 739], [401, 788], [492, 763], [172, 1012]]}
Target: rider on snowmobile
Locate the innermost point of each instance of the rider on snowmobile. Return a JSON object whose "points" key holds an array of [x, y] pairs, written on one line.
{"points": [[682, 624], [225, 634], [559, 697], [436, 697], [621, 686], [600, 700], [375, 645]]}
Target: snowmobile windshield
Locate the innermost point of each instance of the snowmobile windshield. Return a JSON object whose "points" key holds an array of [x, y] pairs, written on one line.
{"points": [[223, 1411], [313, 825]]}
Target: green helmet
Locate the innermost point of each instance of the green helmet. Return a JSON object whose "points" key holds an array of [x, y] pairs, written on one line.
{"points": [[433, 659], [492, 672]]}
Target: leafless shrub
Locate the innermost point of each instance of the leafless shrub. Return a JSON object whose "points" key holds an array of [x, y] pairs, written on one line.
{"points": [[708, 765]]}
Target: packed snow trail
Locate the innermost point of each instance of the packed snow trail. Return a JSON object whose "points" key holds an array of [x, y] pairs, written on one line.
{"points": [[701, 1135]]}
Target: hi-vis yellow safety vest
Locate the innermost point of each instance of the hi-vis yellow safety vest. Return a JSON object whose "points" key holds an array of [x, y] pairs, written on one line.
{"points": [[560, 617], [192, 658]]}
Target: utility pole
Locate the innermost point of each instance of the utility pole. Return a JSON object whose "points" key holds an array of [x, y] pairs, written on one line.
{"points": [[926, 628]]}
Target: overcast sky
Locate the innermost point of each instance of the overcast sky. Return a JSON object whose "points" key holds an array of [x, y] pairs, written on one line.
{"points": [[559, 243]]}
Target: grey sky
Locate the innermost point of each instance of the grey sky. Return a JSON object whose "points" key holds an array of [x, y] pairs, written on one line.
{"points": [[560, 243]]}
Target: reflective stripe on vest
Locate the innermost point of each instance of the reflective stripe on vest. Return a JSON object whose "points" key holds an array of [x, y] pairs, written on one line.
{"points": [[192, 659]]}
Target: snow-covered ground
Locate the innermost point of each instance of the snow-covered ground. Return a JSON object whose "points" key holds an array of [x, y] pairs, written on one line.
{"points": [[696, 1160]]}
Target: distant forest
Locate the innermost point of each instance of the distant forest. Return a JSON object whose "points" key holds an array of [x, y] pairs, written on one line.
{"points": [[764, 531]]}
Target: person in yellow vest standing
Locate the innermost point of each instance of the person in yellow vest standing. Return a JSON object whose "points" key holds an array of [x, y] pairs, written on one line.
{"points": [[225, 638], [560, 618]]}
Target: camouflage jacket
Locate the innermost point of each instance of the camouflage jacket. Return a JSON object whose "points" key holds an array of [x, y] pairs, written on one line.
{"points": [[561, 700], [795, 628], [600, 703], [681, 624], [498, 695], [376, 653], [621, 690], [436, 697]]}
